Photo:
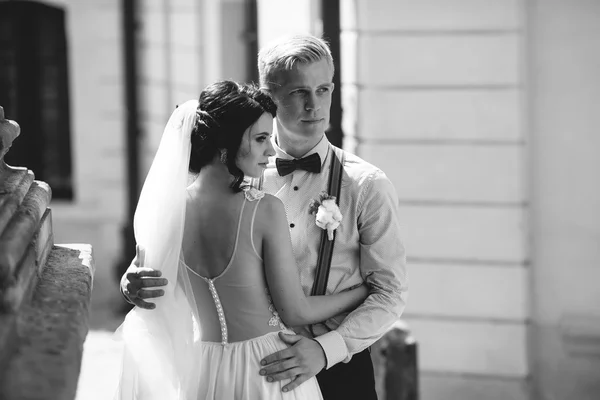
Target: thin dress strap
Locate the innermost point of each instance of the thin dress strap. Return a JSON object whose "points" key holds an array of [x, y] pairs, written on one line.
{"points": [[252, 230]]}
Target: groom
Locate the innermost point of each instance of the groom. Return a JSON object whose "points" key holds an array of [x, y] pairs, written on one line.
{"points": [[298, 72]]}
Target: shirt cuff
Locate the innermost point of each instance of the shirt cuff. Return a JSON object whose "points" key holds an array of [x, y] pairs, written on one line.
{"points": [[334, 347]]}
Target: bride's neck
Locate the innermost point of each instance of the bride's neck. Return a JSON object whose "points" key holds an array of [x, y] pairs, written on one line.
{"points": [[215, 175]]}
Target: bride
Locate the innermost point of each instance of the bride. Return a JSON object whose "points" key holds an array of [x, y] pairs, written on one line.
{"points": [[227, 248]]}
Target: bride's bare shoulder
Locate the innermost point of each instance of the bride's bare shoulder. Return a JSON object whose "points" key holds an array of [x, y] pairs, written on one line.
{"points": [[271, 211]]}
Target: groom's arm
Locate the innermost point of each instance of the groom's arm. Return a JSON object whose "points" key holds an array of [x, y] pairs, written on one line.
{"points": [[383, 267]]}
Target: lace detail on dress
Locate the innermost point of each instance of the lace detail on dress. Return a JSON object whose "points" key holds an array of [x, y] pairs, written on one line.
{"points": [[253, 194], [275, 319]]}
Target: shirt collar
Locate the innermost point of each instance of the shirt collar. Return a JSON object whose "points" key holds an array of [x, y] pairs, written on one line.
{"points": [[321, 148]]}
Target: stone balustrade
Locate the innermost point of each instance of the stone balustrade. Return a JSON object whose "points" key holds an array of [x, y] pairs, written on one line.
{"points": [[45, 289]]}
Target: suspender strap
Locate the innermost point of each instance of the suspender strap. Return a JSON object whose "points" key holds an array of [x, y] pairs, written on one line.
{"points": [[326, 246]]}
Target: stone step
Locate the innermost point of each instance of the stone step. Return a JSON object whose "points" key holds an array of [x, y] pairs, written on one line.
{"points": [[14, 185], [30, 267], [21, 230], [13, 297]]}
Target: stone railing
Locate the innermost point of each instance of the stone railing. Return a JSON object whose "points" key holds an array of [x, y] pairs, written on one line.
{"points": [[45, 289]]}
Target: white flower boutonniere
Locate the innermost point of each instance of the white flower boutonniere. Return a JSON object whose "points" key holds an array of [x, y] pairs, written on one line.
{"points": [[327, 213]]}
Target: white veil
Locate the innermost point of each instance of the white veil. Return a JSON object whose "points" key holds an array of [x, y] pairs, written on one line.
{"points": [[161, 346]]}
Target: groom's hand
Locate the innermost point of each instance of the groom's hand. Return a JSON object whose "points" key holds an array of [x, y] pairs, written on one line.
{"points": [[139, 283], [300, 362]]}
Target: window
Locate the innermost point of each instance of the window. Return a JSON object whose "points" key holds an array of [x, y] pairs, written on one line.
{"points": [[34, 91]]}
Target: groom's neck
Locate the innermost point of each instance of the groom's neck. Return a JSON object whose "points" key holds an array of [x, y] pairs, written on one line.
{"points": [[294, 145]]}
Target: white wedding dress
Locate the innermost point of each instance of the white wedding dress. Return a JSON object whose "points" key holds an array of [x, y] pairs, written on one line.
{"points": [[239, 326], [239, 323]]}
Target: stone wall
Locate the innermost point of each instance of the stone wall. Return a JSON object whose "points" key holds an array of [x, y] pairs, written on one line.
{"points": [[432, 93], [563, 65], [45, 289]]}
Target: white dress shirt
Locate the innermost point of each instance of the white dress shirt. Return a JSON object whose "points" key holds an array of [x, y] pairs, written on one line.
{"points": [[367, 247]]}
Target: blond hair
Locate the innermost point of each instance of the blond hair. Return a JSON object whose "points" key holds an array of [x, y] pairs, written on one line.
{"points": [[285, 53]]}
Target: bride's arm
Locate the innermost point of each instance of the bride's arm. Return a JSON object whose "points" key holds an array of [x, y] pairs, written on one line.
{"points": [[282, 274]]}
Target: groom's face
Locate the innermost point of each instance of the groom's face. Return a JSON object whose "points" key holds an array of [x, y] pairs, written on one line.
{"points": [[304, 99]]}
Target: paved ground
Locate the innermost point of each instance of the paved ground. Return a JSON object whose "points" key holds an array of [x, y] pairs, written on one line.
{"points": [[100, 365]]}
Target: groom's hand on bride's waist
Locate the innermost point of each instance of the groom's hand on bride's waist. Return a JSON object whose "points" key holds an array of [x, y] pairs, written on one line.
{"points": [[301, 361], [139, 284]]}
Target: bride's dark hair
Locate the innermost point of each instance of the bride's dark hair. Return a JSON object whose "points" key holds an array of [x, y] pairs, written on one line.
{"points": [[225, 110]]}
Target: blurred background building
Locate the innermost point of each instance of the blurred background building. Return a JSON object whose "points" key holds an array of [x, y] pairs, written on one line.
{"points": [[483, 113]]}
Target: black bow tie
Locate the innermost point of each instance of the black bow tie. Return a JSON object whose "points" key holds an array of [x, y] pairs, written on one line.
{"points": [[311, 163]]}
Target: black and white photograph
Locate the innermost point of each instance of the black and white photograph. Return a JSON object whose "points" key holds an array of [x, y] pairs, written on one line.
{"points": [[300, 200]]}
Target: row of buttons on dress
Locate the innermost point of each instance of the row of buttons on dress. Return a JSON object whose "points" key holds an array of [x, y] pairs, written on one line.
{"points": [[220, 313]]}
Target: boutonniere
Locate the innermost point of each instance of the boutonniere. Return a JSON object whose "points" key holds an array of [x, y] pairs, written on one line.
{"points": [[327, 213]]}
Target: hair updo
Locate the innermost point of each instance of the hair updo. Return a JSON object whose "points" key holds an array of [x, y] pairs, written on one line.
{"points": [[225, 110]]}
